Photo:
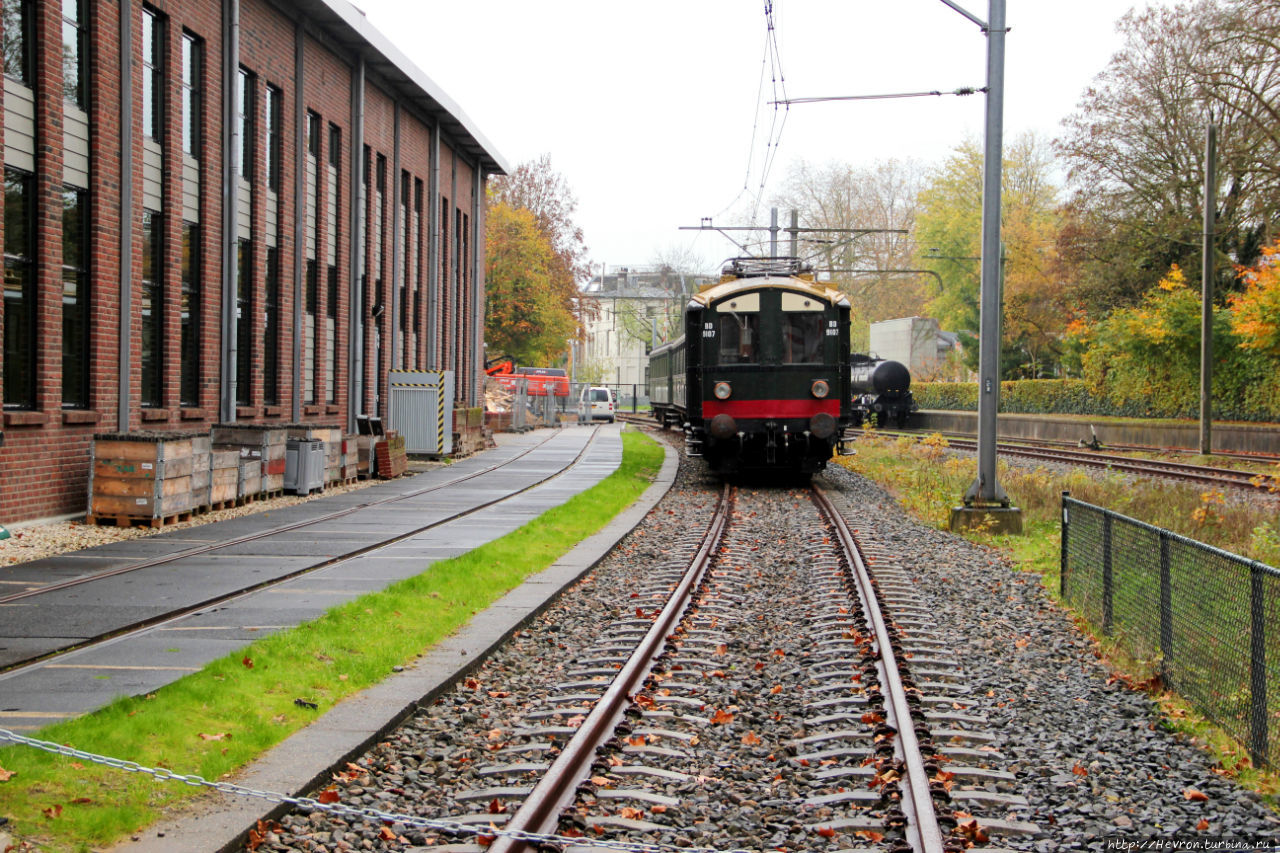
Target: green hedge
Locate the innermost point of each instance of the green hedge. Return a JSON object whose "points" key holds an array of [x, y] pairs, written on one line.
{"points": [[1257, 402]]}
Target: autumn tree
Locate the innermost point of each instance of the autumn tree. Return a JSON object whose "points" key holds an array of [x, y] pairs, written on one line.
{"points": [[1255, 313], [1135, 147], [537, 189], [872, 267], [1146, 358], [526, 316], [948, 238]]}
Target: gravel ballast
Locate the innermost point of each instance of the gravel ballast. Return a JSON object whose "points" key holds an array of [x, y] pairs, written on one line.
{"points": [[1091, 756]]}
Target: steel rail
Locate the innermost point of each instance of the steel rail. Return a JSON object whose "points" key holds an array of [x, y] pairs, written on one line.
{"points": [[18, 667], [262, 534], [923, 832], [540, 811]]}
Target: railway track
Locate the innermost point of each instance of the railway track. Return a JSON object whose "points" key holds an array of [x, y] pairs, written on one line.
{"points": [[750, 690], [1144, 467], [35, 595]]}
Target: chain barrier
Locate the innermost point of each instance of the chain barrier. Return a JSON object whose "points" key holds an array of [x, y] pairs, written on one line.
{"points": [[376, 815]]}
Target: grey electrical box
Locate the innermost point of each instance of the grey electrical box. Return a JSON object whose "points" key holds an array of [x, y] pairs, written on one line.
{"points": [[422, 410], [303, 466]]}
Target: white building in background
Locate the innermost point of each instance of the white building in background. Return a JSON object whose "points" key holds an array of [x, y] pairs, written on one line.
{"points": [[917, 342], [630, 311]]}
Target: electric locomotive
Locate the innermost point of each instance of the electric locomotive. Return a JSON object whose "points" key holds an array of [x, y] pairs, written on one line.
{"points": [[760, 378]]}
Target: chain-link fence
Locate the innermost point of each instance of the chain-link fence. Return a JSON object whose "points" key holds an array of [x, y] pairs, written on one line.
{"points": [[1208, 616]]}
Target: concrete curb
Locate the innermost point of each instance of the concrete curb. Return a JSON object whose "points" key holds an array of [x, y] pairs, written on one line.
{"points": [[216, 822]]}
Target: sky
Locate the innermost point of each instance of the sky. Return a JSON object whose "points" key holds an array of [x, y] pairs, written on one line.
{"points": [[656, 112]]}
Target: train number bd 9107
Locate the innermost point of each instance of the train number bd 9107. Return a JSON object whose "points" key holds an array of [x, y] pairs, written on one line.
{"points": [[708, 330]]}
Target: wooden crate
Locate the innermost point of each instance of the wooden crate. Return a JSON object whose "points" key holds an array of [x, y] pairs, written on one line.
{"points": [[224, 477], [256, 441], [141, 478], [201, 471], [350, 461], [249, 481]]}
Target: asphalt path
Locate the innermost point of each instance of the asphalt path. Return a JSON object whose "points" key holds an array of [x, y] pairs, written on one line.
{"points": [[291, 576]]}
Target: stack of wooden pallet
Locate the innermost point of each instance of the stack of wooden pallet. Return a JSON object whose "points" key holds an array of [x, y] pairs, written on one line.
{"points": [[391, 456]]}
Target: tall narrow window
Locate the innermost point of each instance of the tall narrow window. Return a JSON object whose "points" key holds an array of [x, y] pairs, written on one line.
{"points": [[271, 330], [19, 287], [311, 297], [406, 265], [192, 93], [331, 301], [75, 299], [191, 296], [244, 121], [152, 75], [418, 255], [275, 136], [152, 310], [331, 347], [17, 40], [244, 323], [313, 134], [74, 53]]}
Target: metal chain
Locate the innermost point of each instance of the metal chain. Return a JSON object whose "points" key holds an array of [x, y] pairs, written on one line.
{"points": [[163, 775]]}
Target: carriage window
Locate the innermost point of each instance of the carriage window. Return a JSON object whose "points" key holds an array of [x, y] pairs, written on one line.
{"points": [[802, 338], [739, 338]]}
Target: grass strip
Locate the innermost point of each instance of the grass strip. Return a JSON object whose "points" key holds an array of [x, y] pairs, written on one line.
{"points": [[215, 721], [928, 481]]}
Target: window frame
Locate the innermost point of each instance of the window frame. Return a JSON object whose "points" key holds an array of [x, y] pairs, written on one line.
{"points": [[153, 89], [19, 378], [192, 94], [80, 96], [151, 310]]}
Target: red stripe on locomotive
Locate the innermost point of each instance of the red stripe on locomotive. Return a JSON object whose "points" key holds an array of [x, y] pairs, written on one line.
{"points": [[764, 409]]}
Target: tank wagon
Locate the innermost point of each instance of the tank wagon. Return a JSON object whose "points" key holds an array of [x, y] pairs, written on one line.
{"points": [[881, 391], [760, 378]]}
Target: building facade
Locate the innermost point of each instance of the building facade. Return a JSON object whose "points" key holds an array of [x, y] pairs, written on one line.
{"points": [[244, 211], [631, 312]]}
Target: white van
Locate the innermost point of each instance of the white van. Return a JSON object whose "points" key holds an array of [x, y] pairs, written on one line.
{"points": [[596, 403]]}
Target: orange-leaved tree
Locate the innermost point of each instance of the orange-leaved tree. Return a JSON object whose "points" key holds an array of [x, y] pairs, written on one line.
{"points": [[1255, 313], [526, 317]]}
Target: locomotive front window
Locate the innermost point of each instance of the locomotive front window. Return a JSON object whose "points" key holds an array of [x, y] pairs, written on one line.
{"points": [[802, 338], [739, 336]]}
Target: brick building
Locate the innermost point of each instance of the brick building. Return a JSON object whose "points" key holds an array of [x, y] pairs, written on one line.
{"points": [[241, 211]]}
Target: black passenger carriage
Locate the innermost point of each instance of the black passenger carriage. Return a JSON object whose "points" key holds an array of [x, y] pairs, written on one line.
{"points": [[760, 379]]}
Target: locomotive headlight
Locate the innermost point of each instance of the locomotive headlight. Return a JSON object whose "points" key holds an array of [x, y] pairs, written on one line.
{"points": [[722, 390], [820, 388]]}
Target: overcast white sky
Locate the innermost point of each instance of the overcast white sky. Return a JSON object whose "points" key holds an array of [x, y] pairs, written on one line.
{"points": [[649, 108]]}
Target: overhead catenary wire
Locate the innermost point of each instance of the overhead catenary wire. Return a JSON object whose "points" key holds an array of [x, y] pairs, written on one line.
{"points": [[962, 91], [771, 64]]}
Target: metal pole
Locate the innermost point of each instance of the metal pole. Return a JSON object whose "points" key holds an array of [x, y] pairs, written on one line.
{"points": [[985, 489], [1206, 287], [773, 232], [795, 233]]}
